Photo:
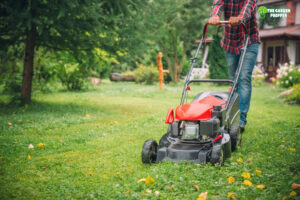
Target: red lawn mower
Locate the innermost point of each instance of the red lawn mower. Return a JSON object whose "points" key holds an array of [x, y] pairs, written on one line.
{"points": [[205, 130]]}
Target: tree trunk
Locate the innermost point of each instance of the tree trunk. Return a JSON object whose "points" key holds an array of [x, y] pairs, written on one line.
{"points": [[28, 67]]}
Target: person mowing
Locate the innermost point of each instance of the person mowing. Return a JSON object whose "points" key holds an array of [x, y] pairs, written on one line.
{"points": [[237, 11]]}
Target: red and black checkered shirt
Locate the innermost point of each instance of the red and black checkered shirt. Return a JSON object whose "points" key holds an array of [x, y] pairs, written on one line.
{"points": [[233, 37]]}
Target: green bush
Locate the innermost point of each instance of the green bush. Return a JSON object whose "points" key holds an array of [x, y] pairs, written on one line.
{"points": [[294, 96], [146, 74], [71, 76], [288, 75]]}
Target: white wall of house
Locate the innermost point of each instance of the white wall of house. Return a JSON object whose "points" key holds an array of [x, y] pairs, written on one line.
{"points": [[292, 50], [259, 55], [297, 13]]}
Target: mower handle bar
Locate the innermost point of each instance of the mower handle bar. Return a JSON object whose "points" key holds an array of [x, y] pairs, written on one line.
{"points": [[223, 23]]}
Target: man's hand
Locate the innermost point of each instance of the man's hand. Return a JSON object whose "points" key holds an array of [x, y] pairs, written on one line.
{"points": [[233, 21], [214, 20]]}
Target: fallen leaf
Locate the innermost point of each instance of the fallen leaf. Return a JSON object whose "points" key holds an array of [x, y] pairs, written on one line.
{"points": [[260, 186], [141, 180], [233, 196], [293, 193], [246, 175], [26, 105], [30, 146], [202, 196], [257, 172], [149, 180], [231, 179], [148, 191], [9, 124], [41, 145], [169, 187], [197, 187], [295, 186], [247, 182], [116, 122]]}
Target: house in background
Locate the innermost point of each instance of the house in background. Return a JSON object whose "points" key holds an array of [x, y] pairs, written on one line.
{"points": [[280, 36]]}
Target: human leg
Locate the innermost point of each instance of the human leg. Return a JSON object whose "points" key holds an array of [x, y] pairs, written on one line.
{"points": [[244, 82]]}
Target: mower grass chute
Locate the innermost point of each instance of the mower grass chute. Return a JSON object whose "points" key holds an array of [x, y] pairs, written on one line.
{"points": [[204, 130]]}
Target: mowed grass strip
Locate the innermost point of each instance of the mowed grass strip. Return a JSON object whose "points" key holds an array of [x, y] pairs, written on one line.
{"points": [[92, 142]]}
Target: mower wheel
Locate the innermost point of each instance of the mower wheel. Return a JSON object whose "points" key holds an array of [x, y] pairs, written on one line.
{"points": [[149, 152], [218, 155], [236, 138]]}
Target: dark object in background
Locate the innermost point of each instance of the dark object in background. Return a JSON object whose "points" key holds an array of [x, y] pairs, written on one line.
{"points": [[120, 77]]}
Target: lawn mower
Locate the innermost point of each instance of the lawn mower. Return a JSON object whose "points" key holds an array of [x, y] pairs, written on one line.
{"points": [[205, 130]]}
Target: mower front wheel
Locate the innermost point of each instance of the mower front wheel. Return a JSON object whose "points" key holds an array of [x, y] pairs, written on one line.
{"points": [[149, 152]]}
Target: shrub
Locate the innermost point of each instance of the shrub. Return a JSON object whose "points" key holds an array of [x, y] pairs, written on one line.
{"points": [[258, 77], [288, 75], [294, 96], [146, 74], [217, 62], [71, 76]]}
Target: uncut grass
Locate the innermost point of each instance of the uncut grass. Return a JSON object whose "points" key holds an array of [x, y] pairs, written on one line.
{"points": [[99, 157]]}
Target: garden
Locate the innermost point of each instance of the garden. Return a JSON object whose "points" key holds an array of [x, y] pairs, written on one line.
{"points": [[80, 94]]}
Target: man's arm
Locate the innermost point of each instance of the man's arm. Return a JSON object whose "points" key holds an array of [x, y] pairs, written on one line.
{"points": [[247, 9]]}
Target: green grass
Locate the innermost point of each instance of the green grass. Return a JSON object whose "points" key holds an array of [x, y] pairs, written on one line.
{"points": [[99, 157]]}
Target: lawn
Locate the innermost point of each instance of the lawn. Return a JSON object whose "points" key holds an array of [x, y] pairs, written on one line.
{"points": [[87, 145]]}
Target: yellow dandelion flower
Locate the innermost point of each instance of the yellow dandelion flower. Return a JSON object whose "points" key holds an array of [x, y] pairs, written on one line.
{"points": [[250, 159], [28, 157], [293, 193], [240, 159], [127, 192], [247, 182], [257, 172], [260, 186], [292, 149], [283, 141], [229, 194], [88, 115], [246, 175], [41, 145], [231, 179]]}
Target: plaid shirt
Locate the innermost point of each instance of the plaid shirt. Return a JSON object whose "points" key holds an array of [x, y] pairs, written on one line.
{"points": [[233, 37]]}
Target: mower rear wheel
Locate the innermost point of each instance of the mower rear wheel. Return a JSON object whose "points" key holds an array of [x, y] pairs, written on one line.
{"points": [[149, 152], [237, 140], [218, 155]]}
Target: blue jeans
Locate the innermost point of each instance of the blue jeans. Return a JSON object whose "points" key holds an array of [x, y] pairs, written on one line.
{"points": [[244, 82]]}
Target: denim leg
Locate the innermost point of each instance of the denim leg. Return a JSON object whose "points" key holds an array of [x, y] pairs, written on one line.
{"points": [[244, 82], [232, 61]]}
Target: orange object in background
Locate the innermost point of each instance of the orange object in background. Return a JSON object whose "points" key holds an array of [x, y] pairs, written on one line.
{"points": [[161, 70]]}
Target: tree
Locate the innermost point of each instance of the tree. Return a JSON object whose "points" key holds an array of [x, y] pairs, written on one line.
{"points": [[75, 25], [183, 27]]}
